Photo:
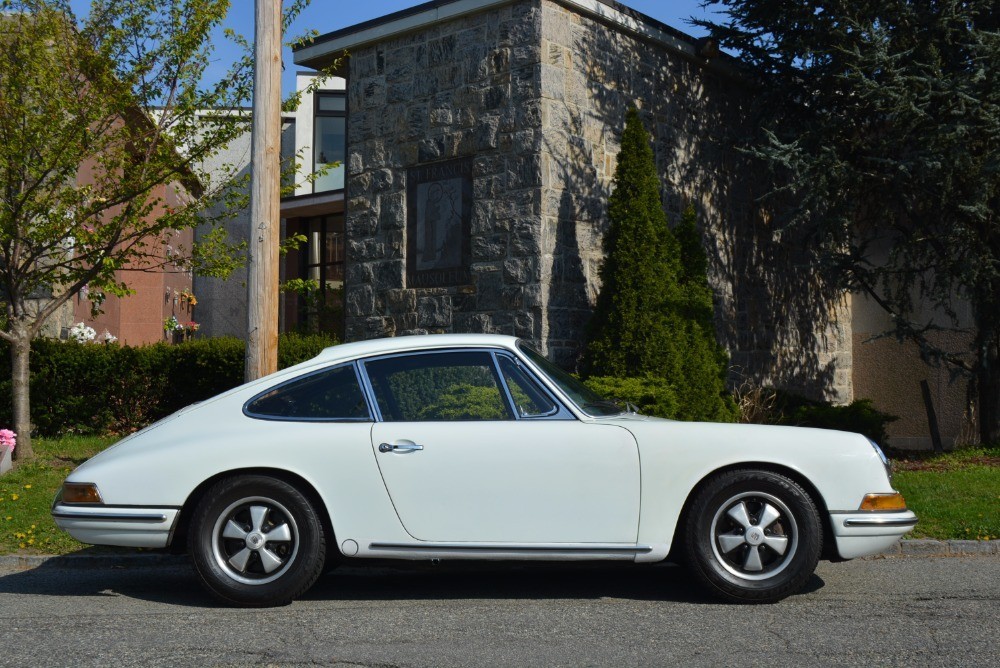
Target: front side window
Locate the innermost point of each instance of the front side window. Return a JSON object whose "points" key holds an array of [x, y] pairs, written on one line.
{"points": [[529, 399], [438, 386], [586, 399], [332, 394]]}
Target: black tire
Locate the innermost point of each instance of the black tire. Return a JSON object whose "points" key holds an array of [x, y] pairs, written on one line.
{"points": [[753, 536], [256, 541]]}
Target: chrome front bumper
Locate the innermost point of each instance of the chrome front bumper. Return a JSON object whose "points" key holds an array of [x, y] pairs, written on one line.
{"points": [[859, 534], [116, 525]]}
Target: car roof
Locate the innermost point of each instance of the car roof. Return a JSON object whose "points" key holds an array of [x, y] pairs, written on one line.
{"points": [[397, 344]]}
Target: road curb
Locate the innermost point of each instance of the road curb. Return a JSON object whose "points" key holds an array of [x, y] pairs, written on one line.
{"points": [[905, 548], [943, 548]]}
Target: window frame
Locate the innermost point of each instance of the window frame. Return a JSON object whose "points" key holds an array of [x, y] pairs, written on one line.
{"points": [[326, 226], [560, 412], [554, 413], [328, 113], [334, 367]]}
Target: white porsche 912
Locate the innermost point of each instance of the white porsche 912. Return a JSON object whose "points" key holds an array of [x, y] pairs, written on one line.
{"points": [[474, 447]]}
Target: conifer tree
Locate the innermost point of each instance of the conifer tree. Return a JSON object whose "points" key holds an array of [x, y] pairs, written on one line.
{"points": [[654, 313], [880, 123], [702, 389]]}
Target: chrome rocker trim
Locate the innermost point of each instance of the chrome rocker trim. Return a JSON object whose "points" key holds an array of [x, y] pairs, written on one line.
{"points": [[547, 549]]}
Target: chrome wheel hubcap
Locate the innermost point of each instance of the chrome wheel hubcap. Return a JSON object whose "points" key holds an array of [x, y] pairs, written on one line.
{"points": [[255, 540], [754, 535]]}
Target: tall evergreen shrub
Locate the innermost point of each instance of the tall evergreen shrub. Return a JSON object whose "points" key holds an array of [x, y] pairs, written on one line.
{"points": [[653, 317]]}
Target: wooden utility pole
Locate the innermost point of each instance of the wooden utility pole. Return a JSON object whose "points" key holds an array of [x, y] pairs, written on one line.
{"points": [[265, 194]]}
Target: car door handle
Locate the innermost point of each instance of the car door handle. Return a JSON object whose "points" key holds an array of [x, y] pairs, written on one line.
{"points": [[399, 447]]}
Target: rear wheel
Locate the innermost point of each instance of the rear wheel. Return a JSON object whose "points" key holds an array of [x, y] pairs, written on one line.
{"points": [[256, 541], [753, 536]]}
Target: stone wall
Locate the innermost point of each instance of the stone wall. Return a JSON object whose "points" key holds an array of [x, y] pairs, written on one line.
{"points": [[777, 326], [537, 93], [468, 87]]}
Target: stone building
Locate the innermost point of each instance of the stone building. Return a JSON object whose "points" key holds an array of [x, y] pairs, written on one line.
{"points": [[508, 115], [481, 140]]}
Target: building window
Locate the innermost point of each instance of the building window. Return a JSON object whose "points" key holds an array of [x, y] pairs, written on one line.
{"points": [[320, 261], [330, 140]]}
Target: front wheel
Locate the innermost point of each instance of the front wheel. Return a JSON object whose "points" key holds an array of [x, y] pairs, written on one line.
{"points": [[256, 541], [753, 536]]}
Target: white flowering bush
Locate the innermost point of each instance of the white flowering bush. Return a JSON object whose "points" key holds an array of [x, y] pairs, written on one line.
{"points": [[81, 333]]}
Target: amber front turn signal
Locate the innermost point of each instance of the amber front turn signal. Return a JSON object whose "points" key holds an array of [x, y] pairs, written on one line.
{"points": [[892, 501], [81, 492]]}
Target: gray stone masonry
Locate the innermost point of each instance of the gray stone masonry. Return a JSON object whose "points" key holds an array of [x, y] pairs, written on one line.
{"points": [[468, 87], [537, 94]]}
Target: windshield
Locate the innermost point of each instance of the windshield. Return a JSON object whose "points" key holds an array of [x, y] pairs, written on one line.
{"points": [[585, 398]]}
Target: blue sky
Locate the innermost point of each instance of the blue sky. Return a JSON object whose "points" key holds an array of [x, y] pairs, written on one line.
{"points": [[329, 15]]}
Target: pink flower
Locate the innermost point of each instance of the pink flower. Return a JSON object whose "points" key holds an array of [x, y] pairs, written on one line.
{"points": [[8, 439]]}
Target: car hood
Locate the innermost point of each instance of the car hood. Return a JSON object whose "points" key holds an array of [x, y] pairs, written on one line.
{"points": [[626, 418]]}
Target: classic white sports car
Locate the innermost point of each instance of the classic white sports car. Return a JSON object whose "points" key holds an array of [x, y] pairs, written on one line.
{"points": [[474, 447]]}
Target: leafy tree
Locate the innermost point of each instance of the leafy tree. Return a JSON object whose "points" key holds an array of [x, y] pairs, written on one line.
{"points": [[881, 126], [654, 312], [102, 142]]}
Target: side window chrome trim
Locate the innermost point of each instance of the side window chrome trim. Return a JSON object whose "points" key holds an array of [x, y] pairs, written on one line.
{"points": [[550, 385], [369, 389], [561, 412], [558, 411], [278, 418]]}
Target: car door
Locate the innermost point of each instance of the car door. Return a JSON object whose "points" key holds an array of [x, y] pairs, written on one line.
{"points": [[472, 448]]}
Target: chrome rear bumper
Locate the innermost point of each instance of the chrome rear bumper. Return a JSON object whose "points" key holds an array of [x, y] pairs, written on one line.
{"points": [[116, 525]]}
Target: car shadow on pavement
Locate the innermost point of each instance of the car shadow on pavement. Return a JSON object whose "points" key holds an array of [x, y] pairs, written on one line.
{"points": [[173, 582], [492, 580]]}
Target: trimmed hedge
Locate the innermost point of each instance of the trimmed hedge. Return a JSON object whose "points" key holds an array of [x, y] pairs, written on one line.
{"points": [[657, 397], [859, 416], [98, 389], [101, 389]]}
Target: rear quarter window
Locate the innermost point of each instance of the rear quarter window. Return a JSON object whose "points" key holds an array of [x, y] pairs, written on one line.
{"points": [[331, 394]]}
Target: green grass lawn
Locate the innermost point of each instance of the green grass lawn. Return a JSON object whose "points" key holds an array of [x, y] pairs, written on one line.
{"points": [[26, 496], [956, 495]]}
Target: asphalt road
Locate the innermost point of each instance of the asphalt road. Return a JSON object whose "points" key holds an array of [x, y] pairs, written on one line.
{"points": [[913, 611]]}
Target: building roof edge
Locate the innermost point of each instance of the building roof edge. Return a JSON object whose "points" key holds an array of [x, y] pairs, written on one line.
{"points": [[327, 47]]}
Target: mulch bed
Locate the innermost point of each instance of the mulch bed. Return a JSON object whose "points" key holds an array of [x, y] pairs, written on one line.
{"points": [[917, 464]]}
